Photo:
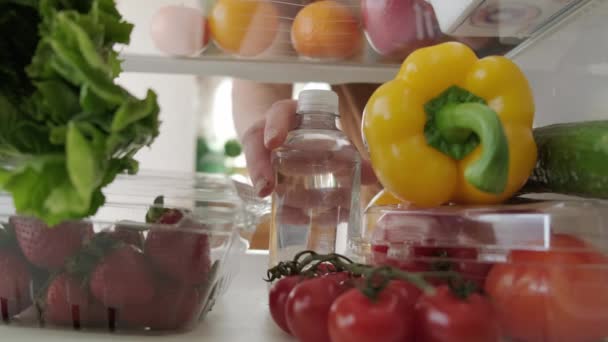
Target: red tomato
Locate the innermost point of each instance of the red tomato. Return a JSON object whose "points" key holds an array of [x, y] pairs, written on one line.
{"points": [[341, 278], [459, 259], [556, 295], [326, 268], [277, 297], [423, 243], [430, 258], [409, 293], [356, 318], [308, 306], [443, 317]]}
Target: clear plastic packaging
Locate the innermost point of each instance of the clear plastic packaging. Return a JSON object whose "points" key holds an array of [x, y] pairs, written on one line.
{"points": [[137, 265], [317, 172], [542, 264]]}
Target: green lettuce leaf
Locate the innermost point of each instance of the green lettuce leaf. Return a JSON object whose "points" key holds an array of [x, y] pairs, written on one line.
{"points": [[67, 128]]}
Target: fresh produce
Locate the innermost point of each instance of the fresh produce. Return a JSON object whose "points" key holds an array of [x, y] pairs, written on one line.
{"points": [[128, 233], [466, 137], [180, 251], [395, 28], [408, 292], [464, 317], [49, 247], [118, 274], [307, 308], [383, 198], [555, 295], [14, 277], [427, 241], [180, 30], [558, 294], [123, 278], [387, 316], [14, 283], [68, 302], [174, 307], [277, 298], [573, 159], [102, 279], [326, 30], [463, 260], [322, 296], [67, 128], [243, 27]]}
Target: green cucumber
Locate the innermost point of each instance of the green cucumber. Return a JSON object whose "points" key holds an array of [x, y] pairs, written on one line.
{"points": [[572, 160]]}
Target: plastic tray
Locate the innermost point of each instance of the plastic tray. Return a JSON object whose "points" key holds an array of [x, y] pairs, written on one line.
{"points": [[542, 264], [134, 267]]}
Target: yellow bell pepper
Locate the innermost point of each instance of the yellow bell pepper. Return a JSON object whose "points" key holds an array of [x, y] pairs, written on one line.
{"points": [[383, 198], [452, 128]]}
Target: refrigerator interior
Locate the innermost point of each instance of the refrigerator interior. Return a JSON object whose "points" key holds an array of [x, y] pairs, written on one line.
{"points": [[565, 59]]}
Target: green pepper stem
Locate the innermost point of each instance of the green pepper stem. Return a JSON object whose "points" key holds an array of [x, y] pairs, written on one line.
{"points": [[456, 122]]}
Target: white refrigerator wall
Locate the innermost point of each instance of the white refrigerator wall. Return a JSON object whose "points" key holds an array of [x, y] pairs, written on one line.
{"points": [[174, 149], [568, 69]]}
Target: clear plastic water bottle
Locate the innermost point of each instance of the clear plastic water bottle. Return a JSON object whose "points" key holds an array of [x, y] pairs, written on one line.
{"points": [[317, 175]]}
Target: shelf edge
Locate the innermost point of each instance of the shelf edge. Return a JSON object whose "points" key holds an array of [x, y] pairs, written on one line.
{"points": [[260, 70]]}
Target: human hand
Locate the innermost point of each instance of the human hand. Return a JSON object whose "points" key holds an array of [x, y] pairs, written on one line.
{"points": [[270, 133]]}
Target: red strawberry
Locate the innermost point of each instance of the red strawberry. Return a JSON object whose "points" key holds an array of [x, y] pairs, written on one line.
{"points": [[68, 302], [14, 283], [122, 278], [174, 307], [179, 252], [49, 247], [127, 233], [171, 216], [158, 214]]}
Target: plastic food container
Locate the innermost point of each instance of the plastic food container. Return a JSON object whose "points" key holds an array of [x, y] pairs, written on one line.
{"points": [[542, 265], [137, 265]]}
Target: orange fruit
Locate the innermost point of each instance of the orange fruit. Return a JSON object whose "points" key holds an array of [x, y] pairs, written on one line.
{"points": [[244, 27], [326, 29]]}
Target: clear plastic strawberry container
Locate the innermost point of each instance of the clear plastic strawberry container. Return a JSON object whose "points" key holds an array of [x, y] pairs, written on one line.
{"points": [[543, 265], [137, 266]]}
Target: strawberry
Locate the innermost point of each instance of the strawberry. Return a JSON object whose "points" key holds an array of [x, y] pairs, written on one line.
{"points": [[180, 249], [179, 252], [128, 233], [68, 302], [122, 278], [14, 283], [49, 247], [159, 214], [174, 307], [171, 216]]}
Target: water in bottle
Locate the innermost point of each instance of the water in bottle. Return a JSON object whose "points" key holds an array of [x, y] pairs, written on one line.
{"points": [[317, 175]]}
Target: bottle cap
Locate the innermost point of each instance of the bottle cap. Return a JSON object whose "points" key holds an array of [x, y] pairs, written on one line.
{"points": [[315, 100]]}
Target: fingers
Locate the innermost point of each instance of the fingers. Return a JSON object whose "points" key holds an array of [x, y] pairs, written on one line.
{"points": [[258, 159], [280, 119], [270, 133]]}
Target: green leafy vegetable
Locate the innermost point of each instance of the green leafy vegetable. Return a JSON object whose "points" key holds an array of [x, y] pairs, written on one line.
{"points": [[67, 128]]}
